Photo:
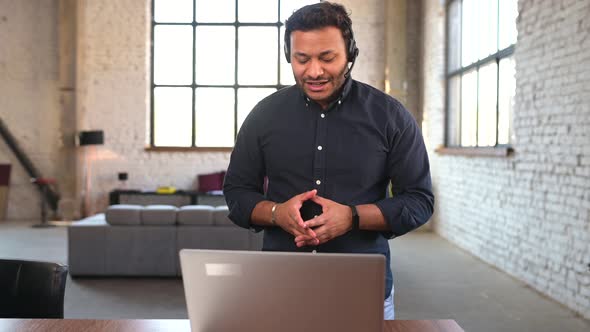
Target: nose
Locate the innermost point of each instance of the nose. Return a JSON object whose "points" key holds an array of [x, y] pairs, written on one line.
{"points": [[315, 69]]}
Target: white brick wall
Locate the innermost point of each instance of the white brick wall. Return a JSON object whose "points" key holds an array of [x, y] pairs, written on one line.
{"points": [[29, 103], [528, 214]]}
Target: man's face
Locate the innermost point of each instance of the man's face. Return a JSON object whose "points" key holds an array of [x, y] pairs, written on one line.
{"points": [[318, 59]]}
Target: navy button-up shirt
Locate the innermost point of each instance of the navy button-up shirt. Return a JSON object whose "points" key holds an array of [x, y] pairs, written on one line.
{"points": [[349, 152]]}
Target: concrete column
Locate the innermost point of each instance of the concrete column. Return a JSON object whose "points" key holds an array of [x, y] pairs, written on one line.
{"points": [[67, 13], [395, 46], [403, 53]]}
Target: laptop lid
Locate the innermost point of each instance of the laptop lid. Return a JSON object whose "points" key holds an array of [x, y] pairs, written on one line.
{"points": [[283, 291]]}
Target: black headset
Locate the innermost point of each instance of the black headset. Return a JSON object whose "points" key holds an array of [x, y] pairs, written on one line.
{"points": [[351, 53]]}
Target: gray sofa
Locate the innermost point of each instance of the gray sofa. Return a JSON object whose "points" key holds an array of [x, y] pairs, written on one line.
{"points": [[133, 240]]}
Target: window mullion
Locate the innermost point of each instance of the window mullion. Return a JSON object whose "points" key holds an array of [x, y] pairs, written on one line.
{"points": [[194, 67], [497, 101], [278, 42], [477, 108], [497, 72], [236, 43], [152, 116]]}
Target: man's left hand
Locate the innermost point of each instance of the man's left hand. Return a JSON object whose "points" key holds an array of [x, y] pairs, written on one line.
{"points": [[335, 220]]}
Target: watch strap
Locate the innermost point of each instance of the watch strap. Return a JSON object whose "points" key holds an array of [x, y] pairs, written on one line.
{"points": [[355, 218]]}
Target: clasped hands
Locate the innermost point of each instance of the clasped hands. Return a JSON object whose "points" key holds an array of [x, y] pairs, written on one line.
{"points": [[335, 220]]}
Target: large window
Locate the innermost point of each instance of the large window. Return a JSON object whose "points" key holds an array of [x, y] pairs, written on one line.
{"points": [[481, 35], [212, 61]]}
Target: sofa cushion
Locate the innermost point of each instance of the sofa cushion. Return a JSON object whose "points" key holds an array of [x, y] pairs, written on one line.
{"points": [[98, 219], [158, 215], [220, 214], [195, 215], [124, 214]]}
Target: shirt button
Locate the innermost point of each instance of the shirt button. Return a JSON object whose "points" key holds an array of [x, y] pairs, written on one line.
{"points": [[323, 115], [318, 182], [320, 147]]}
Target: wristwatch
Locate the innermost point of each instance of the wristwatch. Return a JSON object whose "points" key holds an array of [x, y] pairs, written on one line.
{"points": [[355, 218]]}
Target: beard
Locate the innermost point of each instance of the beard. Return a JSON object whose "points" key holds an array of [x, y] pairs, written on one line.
{"points": [[338, 83]]}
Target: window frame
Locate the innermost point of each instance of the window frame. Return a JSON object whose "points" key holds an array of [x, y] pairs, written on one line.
{"points": [[497, 150], [236, 86]]}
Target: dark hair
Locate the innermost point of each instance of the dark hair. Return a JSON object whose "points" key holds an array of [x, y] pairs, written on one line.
{"points": [[317, 16]]}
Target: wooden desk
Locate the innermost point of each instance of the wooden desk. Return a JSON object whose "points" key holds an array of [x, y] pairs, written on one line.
{"points": [[154, 325]]}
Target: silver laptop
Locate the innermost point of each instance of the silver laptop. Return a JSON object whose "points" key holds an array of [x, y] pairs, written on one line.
{"points": [[281, 291]]}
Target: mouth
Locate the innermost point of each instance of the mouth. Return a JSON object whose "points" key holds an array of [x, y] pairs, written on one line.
{"points": [[316, 86]]}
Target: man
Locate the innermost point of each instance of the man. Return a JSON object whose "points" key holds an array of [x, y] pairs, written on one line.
{"points": [[329, 146]]}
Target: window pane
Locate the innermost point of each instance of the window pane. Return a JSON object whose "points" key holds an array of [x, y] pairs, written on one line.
{"points": [[218, 11], [286, 71], [454, 110], [469, 38], [173, 54], [486, 120], [508, 32], [488, 27], [257, 54], [173, 116], [507, 90], [248, 98], [180, 11], [214, 121], [454, 43], [259, 11], [468, 108], [289, 6], [215, 55]]}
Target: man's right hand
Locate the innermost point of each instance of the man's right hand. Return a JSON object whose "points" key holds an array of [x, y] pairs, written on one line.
{"points": [[288, 217]]}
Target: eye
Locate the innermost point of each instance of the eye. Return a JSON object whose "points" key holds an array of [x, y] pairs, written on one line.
{"points": [[302, 60], [328, 60]]}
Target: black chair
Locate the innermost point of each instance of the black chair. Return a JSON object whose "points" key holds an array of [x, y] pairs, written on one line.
{"points": [[30, 289]]}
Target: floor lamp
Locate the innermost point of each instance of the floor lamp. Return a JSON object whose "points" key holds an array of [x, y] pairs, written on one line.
{"points": [[89, 138]]}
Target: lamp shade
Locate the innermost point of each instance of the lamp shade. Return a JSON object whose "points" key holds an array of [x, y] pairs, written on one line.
{"points": [[91, 137]]}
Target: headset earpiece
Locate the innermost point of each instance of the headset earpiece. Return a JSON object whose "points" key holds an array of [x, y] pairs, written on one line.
{"points": [[353, 51]]}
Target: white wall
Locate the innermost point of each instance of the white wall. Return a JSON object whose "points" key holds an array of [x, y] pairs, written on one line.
{"points": [[528, 214], [29, 98]]}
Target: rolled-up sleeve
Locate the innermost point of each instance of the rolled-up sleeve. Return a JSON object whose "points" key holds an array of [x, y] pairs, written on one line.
{"points": [[243, 186], [412, 203]]}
